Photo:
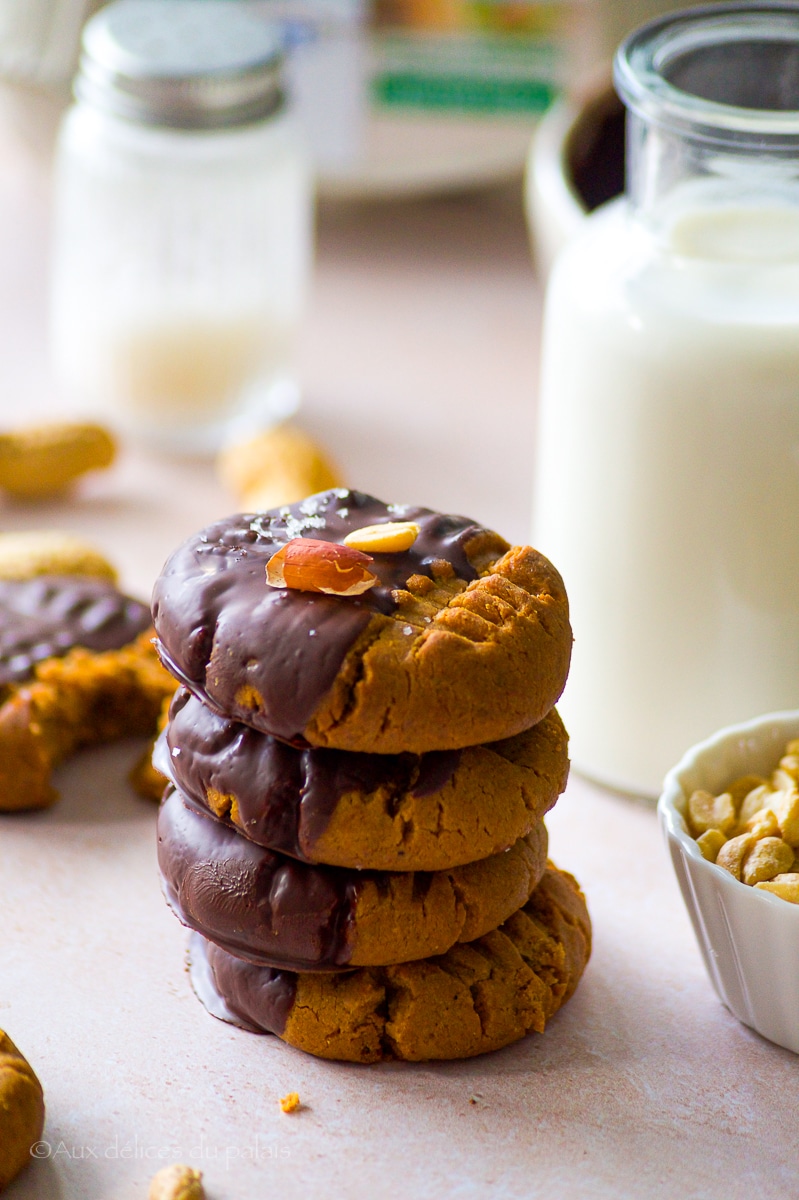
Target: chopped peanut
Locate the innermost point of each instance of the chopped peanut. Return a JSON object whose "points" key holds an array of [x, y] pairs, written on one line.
{"points": [[710, 842], [786, 809], [742, 787], [786, 886], [732, 854], [710, 812], [768, 857], [751, 829], [763, 824], [754, 802]]}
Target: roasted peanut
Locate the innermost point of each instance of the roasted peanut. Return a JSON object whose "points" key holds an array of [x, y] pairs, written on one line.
{"points": [[786, 886], [21, 1111], [391, 538], [759, 846], [177, 1182], [785, 805], [763, 824], [710, 842], [768, 857], [42, 460], [49, 552], [710, 812], [732, 854], [753, 803], [280, 466], [742, 787], [309, 565]]}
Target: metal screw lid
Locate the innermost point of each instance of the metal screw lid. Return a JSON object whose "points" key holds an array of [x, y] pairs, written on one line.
{"points": [[184, 64]]}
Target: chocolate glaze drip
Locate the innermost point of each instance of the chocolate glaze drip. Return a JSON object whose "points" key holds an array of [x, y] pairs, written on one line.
{"points": [[285, 796], [223, 628], [50, 615], [258, 1000], [258, 905]]}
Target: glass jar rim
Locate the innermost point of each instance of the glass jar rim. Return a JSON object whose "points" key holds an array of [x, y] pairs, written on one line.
{"points": [[645, 57]]}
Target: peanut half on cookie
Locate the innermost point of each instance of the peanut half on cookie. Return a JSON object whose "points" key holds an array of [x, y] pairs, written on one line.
{"points": [[360, 760], [77, 665], [455, 639]]}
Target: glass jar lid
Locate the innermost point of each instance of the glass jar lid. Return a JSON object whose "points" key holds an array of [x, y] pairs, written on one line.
{"points": [[184, 64], [722, 73]]}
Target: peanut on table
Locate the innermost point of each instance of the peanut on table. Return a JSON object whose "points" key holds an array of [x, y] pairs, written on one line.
{"points": [[752, 828]]}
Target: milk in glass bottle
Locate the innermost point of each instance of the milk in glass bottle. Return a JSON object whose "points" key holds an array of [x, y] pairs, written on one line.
{"points": [[667, 482]]}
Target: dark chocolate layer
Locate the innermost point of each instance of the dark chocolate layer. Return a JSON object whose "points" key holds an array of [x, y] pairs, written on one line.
{"points": [[285, 796], [49, 615], [269, 992], [223, 629], [259, 905]]}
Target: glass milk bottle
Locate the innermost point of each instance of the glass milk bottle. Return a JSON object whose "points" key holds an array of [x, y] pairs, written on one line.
{"points": [[183, 224], [667, 483]]}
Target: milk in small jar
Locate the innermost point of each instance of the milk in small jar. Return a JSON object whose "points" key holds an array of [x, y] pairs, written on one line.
{"points": [[667, 480], [183, 224]]}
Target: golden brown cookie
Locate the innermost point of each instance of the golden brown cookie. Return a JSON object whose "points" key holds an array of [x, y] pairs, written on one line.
{"points": [[459, 640], [80, 700], [276, 466], [271, 909], [476, 997], [383, 812], [21, 1110], [39, 461], [50, 552]]}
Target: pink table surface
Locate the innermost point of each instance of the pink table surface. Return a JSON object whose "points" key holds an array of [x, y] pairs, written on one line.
{"points": [[418, 369]]}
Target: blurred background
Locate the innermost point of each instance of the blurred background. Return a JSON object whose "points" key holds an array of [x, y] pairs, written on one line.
{"points": [[416, 353]]}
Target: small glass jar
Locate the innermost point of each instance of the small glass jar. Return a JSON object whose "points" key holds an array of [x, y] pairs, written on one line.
{"points": [[667, 483], [183, 231]]}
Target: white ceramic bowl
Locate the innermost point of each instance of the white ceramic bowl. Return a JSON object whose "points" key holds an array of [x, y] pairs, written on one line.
{"points": [[749, 938]]}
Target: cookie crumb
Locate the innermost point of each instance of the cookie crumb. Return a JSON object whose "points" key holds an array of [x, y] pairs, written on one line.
{"points": [[290, 1103]]}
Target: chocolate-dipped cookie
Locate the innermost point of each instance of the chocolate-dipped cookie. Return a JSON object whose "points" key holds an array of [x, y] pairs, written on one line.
{"points": [[476, 997], [385, 812], [460, 640], [77, 667], [271, 909], [47, 616]]}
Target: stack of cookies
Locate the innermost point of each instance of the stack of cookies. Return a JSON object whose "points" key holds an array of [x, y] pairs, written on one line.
{"points": [[360, 758]]}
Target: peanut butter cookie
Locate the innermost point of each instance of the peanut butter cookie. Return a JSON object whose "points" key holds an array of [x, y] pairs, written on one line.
{"points": [[451, 641], [404, 812], [21, 1110], [475, 998], [71, 703], [270, 909]]}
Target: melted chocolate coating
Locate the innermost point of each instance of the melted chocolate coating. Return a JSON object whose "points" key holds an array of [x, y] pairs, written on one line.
{"points": [[285, 796], [269, 992], [258, 905], [222, 627], [49, 615]]}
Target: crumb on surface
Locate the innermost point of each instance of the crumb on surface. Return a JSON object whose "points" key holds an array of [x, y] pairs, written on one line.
{"points": [[290, 1102]]}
